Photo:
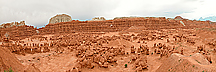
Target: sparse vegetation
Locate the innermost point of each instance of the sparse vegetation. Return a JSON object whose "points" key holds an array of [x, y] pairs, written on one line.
{"points": [[125, 65], [105, 51], [197, 61], [10, 70], [176, 48], [179, 60]]}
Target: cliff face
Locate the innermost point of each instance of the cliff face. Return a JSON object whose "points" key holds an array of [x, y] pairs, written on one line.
{"points": [[60, 18], [16, 33], [118, 24]]}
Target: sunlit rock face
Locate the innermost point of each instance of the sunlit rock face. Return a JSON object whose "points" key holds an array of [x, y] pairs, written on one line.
{"points": [[11, 24], [98, 19], [60, 18]]}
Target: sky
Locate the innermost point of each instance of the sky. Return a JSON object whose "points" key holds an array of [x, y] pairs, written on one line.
{"points": [[38, 12]]}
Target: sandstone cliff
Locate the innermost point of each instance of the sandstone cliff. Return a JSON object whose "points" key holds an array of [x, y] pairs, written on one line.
{"points": [[7, 25]]}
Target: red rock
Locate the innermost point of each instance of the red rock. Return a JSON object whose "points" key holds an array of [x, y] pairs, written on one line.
{"points": [[105, 65], [132, 49]]}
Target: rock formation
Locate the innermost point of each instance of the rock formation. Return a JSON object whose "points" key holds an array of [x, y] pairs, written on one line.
{"points": [[60, 18], [122, 44], [7, 25], [67, 25], [178, 18], [98, 19]]}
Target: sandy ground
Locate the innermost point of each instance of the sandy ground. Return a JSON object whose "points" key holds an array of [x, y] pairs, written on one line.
{"points": [[69, 51]]}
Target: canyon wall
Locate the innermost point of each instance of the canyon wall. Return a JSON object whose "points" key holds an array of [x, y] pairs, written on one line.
{"points": [[120, 24], [117, 24], [16, 33]]}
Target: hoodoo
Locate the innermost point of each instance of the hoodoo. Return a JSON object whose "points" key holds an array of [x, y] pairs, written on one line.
{"points": [[122, 44]]}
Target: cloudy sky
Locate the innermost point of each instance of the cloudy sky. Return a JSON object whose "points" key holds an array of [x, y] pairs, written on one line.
{"points": [[38, 12]]}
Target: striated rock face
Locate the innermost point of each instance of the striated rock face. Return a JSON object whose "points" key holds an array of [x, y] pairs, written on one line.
{"points": [[119, 24], [60, 18], [16, 33], [7, 25]]}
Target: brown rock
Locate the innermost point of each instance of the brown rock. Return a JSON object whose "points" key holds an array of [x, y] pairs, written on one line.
{"points": [[105, 65], [132, 49]]}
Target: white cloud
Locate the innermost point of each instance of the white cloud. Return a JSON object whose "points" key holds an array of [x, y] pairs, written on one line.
{"points": [[206, 9], [37, 12]]}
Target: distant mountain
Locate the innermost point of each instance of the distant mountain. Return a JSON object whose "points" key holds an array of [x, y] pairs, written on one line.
{"points": [[211, 18]]}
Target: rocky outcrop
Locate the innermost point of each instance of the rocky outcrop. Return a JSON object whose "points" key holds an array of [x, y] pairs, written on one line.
{"points": [[60, 18], [17, 33], [178, 18], [8, 25], [119, 24], [98, 19]]}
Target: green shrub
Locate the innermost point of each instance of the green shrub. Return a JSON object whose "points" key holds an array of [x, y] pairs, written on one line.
{"points": [[10, 70], [125, 65], [193, 65]]}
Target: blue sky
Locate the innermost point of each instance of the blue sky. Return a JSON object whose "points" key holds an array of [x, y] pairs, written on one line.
{"points": [[38, 12]]}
